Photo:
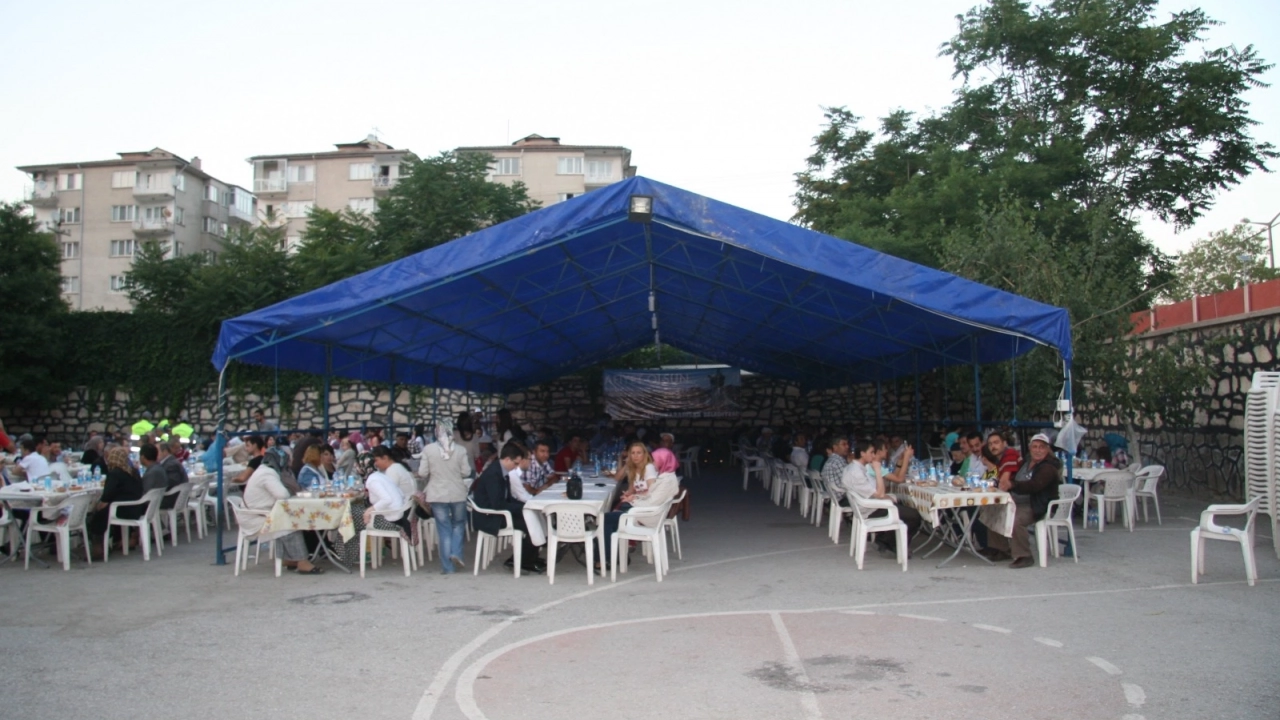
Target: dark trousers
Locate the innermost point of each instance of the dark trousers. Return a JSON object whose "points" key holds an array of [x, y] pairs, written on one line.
{"points": [[611, 520], [528, 551]]}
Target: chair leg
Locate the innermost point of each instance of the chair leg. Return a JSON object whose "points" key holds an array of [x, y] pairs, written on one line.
{"points": [[475, 566], [26, 545], [1250, 566], [88, 555], [144, 532], [1075, 549], [551, 560], [1042, 543], [406, 554], [1156, 500], [591, 563], [517, 541], [675, 533], [902, 546], [613, 554], [1195, 556], [239, 549], [659, 555], [363, 539]]}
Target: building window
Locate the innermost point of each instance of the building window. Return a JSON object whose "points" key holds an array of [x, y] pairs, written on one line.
{"points": [[180, 182], [599, 170], [156, 213], [222, 229], [302, 173], [124, 213], [360, 171], [361, 205], [118, 284], [507, 166], [70, 250], [123, 248], [569, 166], [124, 179], [210, 256], [568, 196], [69, 216], [211, 225], [70, 181], [71, 285], [178, 215], [298, 208], [177, 250], [211, 193]]}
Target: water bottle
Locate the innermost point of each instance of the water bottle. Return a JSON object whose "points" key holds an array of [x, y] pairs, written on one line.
{"points": [[97, 475], [1092, 519], [48, 483]]}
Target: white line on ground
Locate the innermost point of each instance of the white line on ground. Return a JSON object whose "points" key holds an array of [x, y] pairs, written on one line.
{"points": [[1048, 641], [1134, 694], [808, 700], [930, 618], [993, 628], [857, 612], [1133, 717], [1106, 666]]}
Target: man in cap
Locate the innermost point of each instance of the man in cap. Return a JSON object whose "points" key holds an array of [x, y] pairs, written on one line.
{"points": [[1033, 487]]}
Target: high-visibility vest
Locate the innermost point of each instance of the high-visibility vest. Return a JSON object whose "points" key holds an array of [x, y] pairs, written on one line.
{"points": [[142, 427], [184, 432]]}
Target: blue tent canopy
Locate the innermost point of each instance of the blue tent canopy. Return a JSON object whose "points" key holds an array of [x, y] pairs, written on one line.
{"points": [[569, 286]]}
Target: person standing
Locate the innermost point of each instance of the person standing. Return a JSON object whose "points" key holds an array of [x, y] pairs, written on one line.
{"points": [[446, 468]]}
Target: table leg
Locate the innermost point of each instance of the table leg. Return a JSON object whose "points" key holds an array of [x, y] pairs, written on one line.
{"points": [[965, 536], [323, 548]]}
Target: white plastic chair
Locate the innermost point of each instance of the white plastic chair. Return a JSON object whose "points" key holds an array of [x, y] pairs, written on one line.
{"points": [[375, 553], [567, 523], [244, 537], [671, 525], [689, 461], [61, 472], [864, 526], [819, 498], [195, 504], [786, 482], [181, 508], [9, 526], [754, 465], [45, 519], [1148, 478], [1118, 489], [1058, 516], [629, 528], [488, 545], [835, 519], [1208, 530], [145, 524], [427, 540]]}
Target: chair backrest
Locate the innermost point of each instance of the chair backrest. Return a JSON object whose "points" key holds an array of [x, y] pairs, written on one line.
{"points": [[80, 504], [235, 501], [567, 521], [1117, 482], [675, 502], [860, 509], [153, 498], [1060, 510], [241, 512], [198, 491], [59, 470], [183, 492], [471, 505], [1149, 477]]}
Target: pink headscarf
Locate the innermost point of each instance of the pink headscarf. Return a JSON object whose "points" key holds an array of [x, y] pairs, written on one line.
{"points": [[665, 461]]}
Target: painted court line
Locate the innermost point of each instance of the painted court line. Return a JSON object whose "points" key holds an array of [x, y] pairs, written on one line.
{"points": [[993, 628], [1048, 641], [930, 618], [1134, 694], [808, 700], [1106, 666]]}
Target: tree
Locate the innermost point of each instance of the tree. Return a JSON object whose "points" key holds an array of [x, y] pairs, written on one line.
{"points": [[336, 245], [442, 198], [1071, 117], [32, 306], [1223, 261]]}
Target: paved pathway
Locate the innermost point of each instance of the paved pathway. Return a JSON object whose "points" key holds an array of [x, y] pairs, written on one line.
{"points": [[764, 618]]}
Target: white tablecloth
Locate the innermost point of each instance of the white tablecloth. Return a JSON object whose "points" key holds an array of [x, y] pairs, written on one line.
{"points": [[598, 499], [995, 509]]}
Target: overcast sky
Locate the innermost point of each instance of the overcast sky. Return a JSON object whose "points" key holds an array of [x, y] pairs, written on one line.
{"points": [[721, 98]]}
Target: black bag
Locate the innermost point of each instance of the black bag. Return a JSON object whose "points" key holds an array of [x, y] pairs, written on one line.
{"points": [[573, 487]]}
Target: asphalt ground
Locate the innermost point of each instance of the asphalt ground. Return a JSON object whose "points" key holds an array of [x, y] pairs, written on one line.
{"points": [[763, 618]]}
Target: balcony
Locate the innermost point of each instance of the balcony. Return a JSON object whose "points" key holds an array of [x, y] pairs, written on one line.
{"points": [[42, 194], [600, 179], [269, 185], [158, 189], [383, 184], [236, 214], [152, 226]]}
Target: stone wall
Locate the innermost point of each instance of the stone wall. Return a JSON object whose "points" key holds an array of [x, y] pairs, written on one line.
{"points": [[1203, 459]]}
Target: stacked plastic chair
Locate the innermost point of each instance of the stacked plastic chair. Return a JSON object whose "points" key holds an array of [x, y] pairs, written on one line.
{"points": [[1261, 425]]}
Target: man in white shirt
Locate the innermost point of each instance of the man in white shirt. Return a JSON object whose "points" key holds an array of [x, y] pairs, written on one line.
{"points": [[863, 477], [800, 452], [33, 463]]}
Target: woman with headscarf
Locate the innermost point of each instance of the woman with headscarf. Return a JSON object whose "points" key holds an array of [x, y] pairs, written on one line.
{"points": [[94, 454], [345, 460], [660, 489], [122, 484], [261, 493], [446, 468]]}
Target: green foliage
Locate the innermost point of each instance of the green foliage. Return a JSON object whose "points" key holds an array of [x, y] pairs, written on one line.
{"points": [[336, 245], [1223, 261], [31, 304], [1072, 116]]}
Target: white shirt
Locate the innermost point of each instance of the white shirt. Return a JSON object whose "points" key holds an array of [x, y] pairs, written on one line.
{"points": [[800, 458], [857, 480], [402, 478], [34, 465], [516, 478], [384, 494]]}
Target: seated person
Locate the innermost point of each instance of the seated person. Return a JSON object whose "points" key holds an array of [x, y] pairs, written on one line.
{"points": [[312, 472], [1033, 487], [837, 459], [392, 463], [261, 493], [122, 484], [94, 454], [174, 473], [33, 463], [539, 474], [884, 477], [663, 486], [574, 450], [328, 462], [385, 494], [958, 459], [153, 474], [636, 469], [1006, 458], [800, 452], [492, 491]]}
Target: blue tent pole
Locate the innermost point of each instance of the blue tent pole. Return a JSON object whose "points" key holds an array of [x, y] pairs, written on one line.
{"points": [[391, 414], [328, 371], [219, 517], [918, 436], [977, 388], [879, 410]]}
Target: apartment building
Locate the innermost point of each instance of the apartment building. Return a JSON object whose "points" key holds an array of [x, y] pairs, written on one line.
{"points": [[352, 176], [101, 211], [553, 172]]}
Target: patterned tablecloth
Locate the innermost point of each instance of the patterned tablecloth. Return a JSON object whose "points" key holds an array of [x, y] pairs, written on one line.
{"points": [[995, 508], [311, 514]]}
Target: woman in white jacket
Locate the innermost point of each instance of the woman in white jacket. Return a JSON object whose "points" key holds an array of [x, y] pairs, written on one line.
{"points": [[261, 492], [660, 490]]}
